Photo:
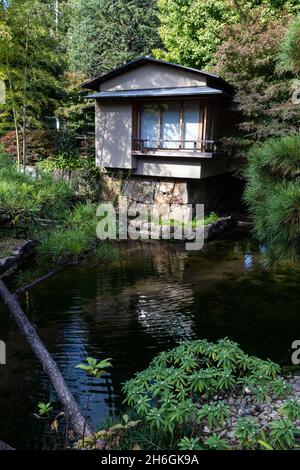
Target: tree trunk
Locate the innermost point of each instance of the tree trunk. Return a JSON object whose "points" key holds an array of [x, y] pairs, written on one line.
{"points": [[15, 118], [24, 124], [17, 139], [70, 406], [4, 446]]}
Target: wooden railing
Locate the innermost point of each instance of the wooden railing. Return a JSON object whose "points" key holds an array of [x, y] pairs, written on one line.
{"points": [[192, 146]]}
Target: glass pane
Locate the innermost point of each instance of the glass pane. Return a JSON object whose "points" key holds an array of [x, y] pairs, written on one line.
{"points": [[191, 121], [209, 131], [170, 126], [150, 125]]}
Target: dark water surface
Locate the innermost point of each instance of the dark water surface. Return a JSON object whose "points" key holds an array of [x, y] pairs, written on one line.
{"points": [[129, 309]]}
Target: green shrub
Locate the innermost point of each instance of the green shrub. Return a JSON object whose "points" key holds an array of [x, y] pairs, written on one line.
{"points": [[70, 241], [176, 387], [25, 199], [282, 433], [273, 195], [65, 161], [247, 431], [291, 409]]}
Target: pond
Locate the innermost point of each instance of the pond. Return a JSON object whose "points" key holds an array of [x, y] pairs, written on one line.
{"points": [[130, 308]]}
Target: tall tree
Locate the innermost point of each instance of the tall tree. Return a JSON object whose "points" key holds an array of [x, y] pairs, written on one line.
{"points": [[104, 34], [273, 175], [191, 30], [263, 94], [31, 64]]}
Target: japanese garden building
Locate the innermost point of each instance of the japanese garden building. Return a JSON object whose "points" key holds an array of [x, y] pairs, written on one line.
{"points": [[162, 122]]}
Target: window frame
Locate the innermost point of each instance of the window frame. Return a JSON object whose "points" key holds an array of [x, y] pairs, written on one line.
{"points": [[204, 105]]}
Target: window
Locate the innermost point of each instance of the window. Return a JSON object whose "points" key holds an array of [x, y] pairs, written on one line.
{"points": [[150, 117], [174, 125], [191, 120], [170, 123]]}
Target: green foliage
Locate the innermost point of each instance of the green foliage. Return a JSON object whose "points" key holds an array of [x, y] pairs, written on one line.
{"points": [[190, 443], [215, 442], [282, 433], [291, 410], [247, 432], [31, 62], [24, 199], [273, 195], [95, 369], [191, 30], [65, 162], [214, 414], [104, 35], [178, 384], [173, 399], [280, 388], [44, 408], [263, 100], [289, 52], [114, 435], [73, 239]]}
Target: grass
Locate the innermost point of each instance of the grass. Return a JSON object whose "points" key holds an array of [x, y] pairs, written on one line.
{"points": [[207, 220], [24, 199]]}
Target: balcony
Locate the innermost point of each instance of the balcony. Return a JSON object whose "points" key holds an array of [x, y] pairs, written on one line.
{"points": [[176, 148]]}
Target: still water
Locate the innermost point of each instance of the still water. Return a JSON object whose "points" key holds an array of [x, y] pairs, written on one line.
{"points": [[130, 308]]}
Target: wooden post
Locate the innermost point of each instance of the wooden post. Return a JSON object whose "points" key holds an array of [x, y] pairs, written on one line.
{"points": [[71, 408]]}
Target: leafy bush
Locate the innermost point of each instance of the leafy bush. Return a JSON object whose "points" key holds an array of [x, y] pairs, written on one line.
{"points": [[40, 144], [64, 161], [291, 410], [283, 433], [177, 385], [247, 431], [186, 390]]}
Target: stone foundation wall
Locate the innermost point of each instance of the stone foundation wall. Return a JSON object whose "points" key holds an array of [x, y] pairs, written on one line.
{"points": [[221, 194], [151, 190]]}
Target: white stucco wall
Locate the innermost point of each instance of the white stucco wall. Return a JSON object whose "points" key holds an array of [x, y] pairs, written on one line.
{"points": [[179, 168], [153, 76], [113, 124]]}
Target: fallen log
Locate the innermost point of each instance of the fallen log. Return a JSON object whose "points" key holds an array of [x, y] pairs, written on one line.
{"points": [[4, 446], [38, 280], [71, 408]]}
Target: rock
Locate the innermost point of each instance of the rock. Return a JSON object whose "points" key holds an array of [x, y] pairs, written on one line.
{"points": [[206, 430], [296, 386], [166, 187], [24, 251], [180, 192]]}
